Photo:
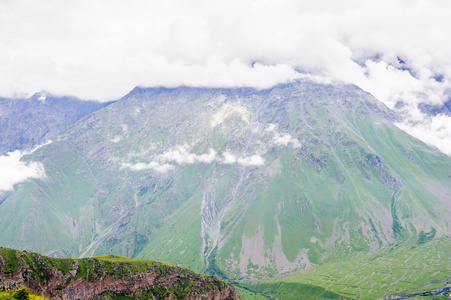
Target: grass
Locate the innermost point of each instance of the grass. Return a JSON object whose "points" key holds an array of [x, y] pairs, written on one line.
{"points": [[293, 291], [407, 268]]}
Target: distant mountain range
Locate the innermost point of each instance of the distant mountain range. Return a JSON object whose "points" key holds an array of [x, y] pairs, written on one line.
{"points": [[246, 184], [27, 123], [433, 110]]}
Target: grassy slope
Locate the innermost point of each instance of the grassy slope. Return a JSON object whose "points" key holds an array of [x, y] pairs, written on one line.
{"points": [[405, 268]]}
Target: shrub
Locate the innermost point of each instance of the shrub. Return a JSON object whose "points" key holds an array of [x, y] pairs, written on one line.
{"points": [[22, 293]]}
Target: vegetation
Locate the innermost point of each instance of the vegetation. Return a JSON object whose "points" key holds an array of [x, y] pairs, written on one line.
{"points": [[405, 268], [426, 237], [20, 294], [42, 269]]}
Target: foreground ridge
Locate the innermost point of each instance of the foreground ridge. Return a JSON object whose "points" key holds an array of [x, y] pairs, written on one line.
{"points": [[106, 277]]}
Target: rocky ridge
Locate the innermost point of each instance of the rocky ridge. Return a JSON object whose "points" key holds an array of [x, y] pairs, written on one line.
{"points": [[106, 277]]}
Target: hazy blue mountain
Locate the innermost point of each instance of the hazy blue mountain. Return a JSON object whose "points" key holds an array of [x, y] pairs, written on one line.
{"points": [[433, 110], [242, 183], [26, 123]]}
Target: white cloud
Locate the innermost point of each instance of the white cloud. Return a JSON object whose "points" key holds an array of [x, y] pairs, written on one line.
{"points": [[180, 155], [228, 158], [160, 168], [282, 139], [116, 139], [433, 131], [102, 49], [285, 140], [13, 170], [271, 128], [253, 160]]}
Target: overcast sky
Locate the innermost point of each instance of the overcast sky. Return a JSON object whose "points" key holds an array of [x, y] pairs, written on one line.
{"points": [[397, 50]]}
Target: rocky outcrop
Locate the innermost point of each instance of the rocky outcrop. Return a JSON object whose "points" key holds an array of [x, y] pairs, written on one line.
{"points": [[106, 277]]}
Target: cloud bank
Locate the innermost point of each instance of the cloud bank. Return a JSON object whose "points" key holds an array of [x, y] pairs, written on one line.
{"points": [[13, 170], [396, 49], [102, 49]]}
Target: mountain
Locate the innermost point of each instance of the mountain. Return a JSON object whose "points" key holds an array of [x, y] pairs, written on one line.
{"points": [[27, 123], [106, 277], [433, 110], [246, 184]]}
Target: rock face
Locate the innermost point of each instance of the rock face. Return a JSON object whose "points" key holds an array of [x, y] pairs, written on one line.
{"points": [[106, 277]]}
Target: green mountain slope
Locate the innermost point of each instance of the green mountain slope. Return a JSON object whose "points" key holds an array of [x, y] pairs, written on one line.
{"points": [[242, 183], [405, 270]]}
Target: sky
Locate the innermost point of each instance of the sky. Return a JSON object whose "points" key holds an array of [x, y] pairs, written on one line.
{"points": [[398, 50]]}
